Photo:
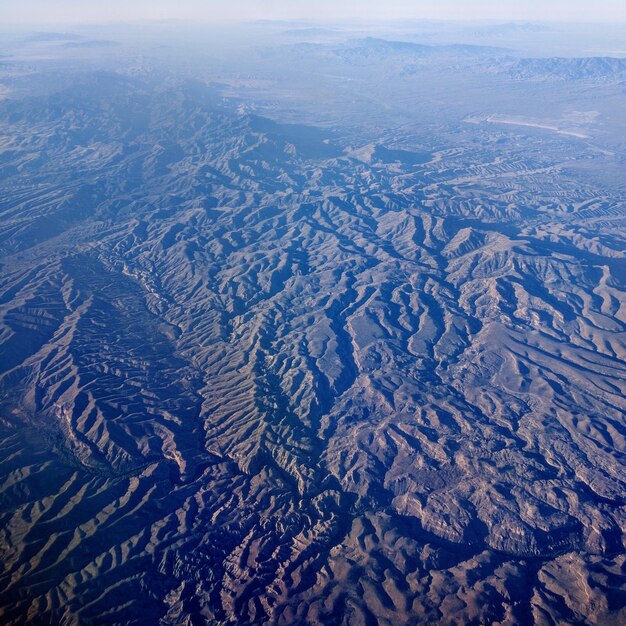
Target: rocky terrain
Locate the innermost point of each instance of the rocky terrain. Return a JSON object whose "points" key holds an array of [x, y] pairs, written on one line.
{"points": [[256, 372]]}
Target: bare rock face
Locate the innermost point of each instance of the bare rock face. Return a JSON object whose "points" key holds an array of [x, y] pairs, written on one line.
{"points": [[253, 375]]}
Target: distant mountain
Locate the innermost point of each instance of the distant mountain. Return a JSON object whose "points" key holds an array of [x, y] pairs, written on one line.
{"points": [[569, 69], [406, 53], [511, 28], [408, 47], [384, 45]]}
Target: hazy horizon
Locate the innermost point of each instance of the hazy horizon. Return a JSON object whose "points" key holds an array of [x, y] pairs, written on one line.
{"points": [[71, 11]]}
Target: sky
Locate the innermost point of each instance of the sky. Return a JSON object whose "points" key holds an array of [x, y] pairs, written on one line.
{"points": [[81, 11]]}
